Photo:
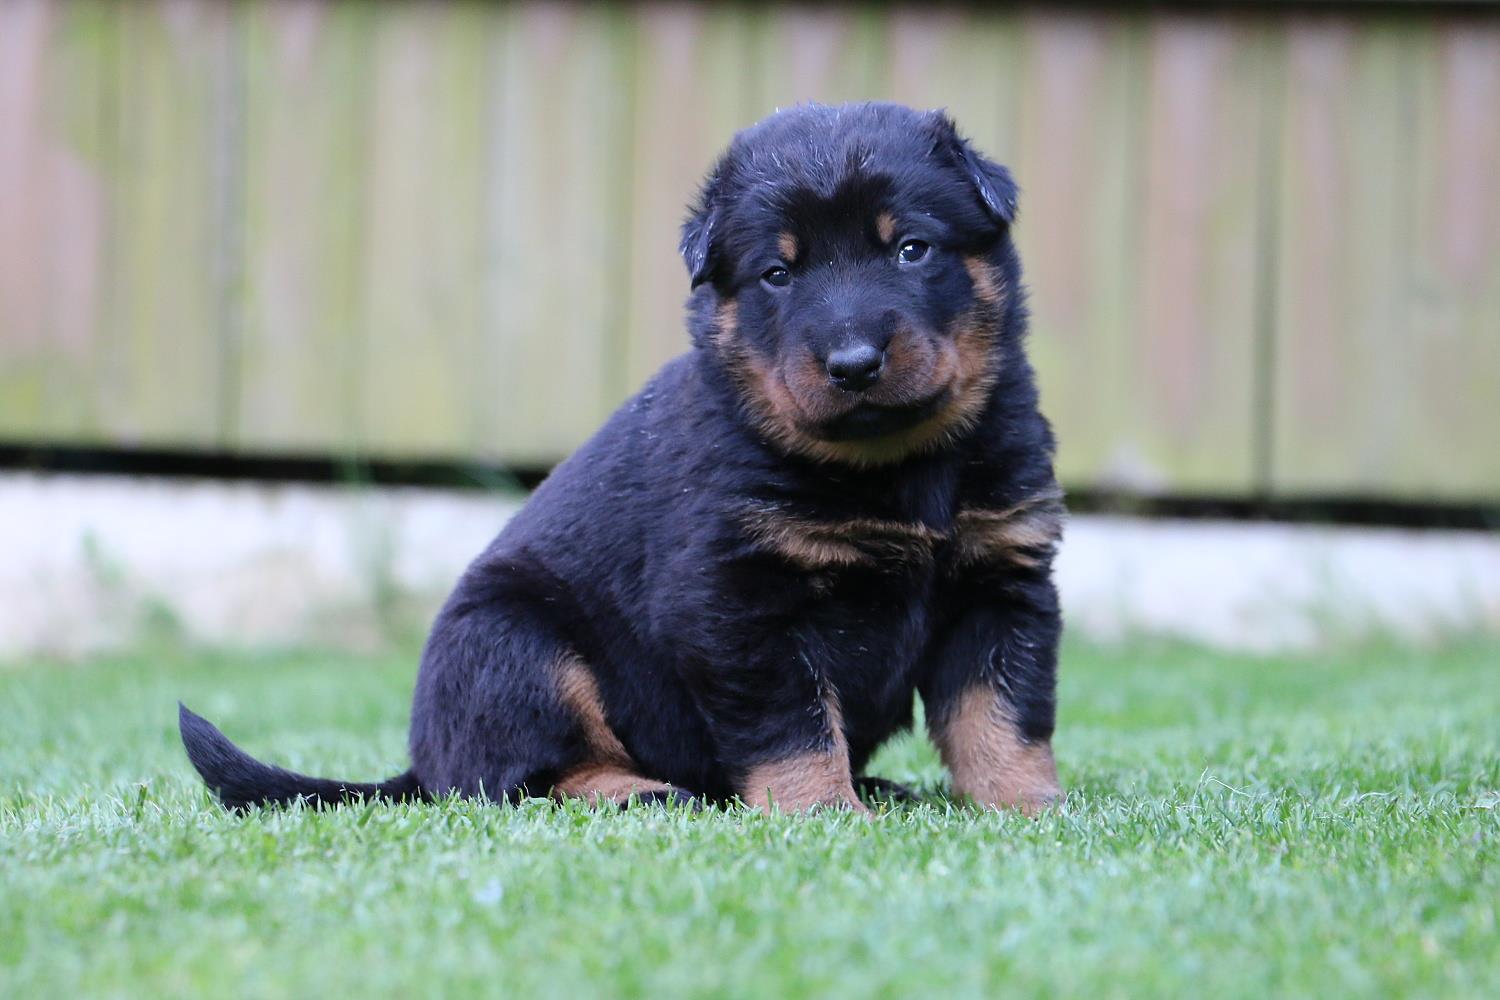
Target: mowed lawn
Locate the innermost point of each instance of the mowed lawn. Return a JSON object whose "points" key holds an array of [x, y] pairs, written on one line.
{"points": [[1237, 826]]}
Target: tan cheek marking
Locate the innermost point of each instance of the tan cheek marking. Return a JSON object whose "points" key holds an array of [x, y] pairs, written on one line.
{"points": [[989, 759], [770, 401], [786, 245], [913, 365], [977, 367], [803, 781], [989, 286], [729, 322], [1019, 536], [885, 226]]}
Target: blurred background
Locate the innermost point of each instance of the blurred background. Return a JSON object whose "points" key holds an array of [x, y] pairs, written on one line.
{"points": [[417, 245]]}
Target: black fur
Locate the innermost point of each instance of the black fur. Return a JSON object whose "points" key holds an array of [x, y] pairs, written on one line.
{"points": [[712, 652], [241, 781]]}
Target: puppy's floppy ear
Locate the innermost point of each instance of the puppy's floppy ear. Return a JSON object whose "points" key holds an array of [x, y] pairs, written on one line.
{"points": [[697, 246], [996, 188]]}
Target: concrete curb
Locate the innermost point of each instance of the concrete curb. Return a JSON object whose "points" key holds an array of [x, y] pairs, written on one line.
{"points": [[94, 562]]}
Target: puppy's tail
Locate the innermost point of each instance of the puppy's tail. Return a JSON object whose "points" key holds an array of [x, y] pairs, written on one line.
{"points": [[241, 781]]}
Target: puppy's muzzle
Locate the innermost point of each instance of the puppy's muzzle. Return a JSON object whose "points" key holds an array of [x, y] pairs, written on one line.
{"points": [[856, 368]]}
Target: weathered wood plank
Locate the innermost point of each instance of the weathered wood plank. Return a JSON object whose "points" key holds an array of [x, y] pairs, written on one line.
{"points": [[1076, 162], [1387, 351], [422, 212], [1389, 338], [1138, 222], [1448, 446], [965, 59], [824, 52], [307, 136], [1345, 190], [166, 368], [54, 163], [689, 98], [556, 230], [1193, 357]]}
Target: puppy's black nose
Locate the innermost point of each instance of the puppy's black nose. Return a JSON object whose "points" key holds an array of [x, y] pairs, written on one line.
{"points": [[856, 368]]}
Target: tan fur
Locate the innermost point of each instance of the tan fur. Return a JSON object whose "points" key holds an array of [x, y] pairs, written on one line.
{"points": [[1019, 535], [885, 226], [989, 286], [803, 781], [990, 760], [608, 774], [605, 783], [1022, 535], [579, 691], [964, 366], [831, 544], [790, 397], [786, 243]]}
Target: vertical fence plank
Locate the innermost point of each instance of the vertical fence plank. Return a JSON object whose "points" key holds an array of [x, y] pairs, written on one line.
{"points": [[556, 237], [54, 159], [307, 126], [1445, 445], [1346, 351], [421, 279], [1191, 361], [827, 53], [1138, 165], [162, 375], [1079, 238], [966, 59], [690, 87]]}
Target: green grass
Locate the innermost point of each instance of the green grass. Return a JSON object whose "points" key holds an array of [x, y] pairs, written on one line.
{"points": [[1237, 827]]}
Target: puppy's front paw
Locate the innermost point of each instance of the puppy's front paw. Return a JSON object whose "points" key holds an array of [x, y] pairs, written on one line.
{"points": [[873, 789], [668, 797]]}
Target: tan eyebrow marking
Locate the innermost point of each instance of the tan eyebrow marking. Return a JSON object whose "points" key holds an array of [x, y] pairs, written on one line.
{"points": [[786, 243], [885, 225]]}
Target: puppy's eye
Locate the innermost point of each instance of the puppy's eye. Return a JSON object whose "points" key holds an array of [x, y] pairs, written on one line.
{"points": [[912, 251], [777, 277]]}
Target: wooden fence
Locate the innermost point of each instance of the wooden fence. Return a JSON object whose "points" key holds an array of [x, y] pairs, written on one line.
{"points": [[1263, 243]]}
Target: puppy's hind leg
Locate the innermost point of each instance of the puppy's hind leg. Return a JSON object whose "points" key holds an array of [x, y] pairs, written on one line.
{"points": [[605, 771], [505, 708]]}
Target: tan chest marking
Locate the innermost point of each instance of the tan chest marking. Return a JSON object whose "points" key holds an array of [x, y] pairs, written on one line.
{"points": [[814, 544], [1021, 535]]}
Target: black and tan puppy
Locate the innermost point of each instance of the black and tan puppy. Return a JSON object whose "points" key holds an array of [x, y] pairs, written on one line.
{"points": [[840, 497]]}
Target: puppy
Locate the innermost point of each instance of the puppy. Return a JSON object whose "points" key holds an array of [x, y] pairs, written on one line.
{"points": [[840, 497]]}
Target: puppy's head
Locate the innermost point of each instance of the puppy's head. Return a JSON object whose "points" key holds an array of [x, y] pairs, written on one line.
{"points": [[852, 272]]}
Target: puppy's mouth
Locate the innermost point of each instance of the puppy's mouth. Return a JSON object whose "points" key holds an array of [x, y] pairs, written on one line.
{"points": [[873, 420]]}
